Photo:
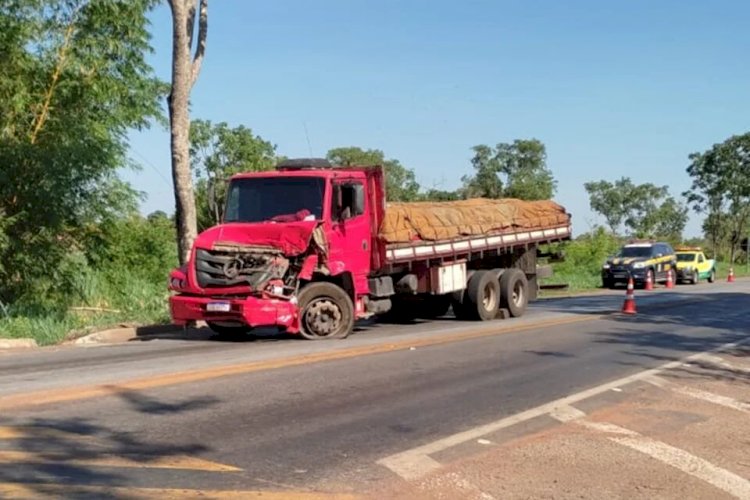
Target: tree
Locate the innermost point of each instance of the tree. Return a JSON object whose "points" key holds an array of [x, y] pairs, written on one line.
{"points": [[73, 81], [186, 66], [439, 195], [401, 183], [646, 210], [218, 151], [517, 170], [721, 189], [608, 200]]}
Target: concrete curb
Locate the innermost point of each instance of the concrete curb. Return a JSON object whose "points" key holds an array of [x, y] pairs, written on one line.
{"points": [[18, 344], [125, 334]]}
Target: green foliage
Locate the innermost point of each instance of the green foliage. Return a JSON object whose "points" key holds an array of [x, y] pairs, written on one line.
{"points": [[73, 81], [121, 276], [585, 255], [144, 247], [218, 151], [517, 170], [401, 183], [439, 195], [721, 190], [646, 210]]}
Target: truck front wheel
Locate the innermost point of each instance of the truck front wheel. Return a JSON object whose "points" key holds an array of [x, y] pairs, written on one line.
{"points": [[326, 312], [514, 292]]}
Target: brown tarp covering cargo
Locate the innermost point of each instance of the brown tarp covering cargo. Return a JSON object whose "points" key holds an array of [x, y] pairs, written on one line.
{"points": [[431, 221]]}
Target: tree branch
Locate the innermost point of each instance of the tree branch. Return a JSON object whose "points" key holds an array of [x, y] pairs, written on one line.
{"points": [[200, 49], [190, 25], [62, 55]]}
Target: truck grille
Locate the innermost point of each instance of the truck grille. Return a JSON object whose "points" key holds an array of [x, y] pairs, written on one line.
{"points": [[215, 269], [220, 268]]}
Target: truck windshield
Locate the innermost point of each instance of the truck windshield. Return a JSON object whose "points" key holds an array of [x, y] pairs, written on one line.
{"points": [[635, 252], [275, 199], [685, 257]]}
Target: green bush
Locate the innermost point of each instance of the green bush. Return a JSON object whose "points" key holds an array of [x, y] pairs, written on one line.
{"points": [[121, 276], [584, 257]]}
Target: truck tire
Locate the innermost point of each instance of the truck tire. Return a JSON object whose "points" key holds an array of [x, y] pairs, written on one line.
{"points": [[481, 300], [326, 312], [225, 332], [514, 292]]}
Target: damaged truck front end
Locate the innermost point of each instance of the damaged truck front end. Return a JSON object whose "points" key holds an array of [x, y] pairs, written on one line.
{"points": [[234, 288]]}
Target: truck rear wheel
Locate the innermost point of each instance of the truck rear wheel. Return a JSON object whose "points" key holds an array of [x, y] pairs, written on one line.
{"points": [[481, 299], [326, 312], [514, 292]]}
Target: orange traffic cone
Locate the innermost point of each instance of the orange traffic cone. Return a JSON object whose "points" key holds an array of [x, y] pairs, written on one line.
{"points": [[628, 307], [670, 283], [649, 282], [730, 278]]}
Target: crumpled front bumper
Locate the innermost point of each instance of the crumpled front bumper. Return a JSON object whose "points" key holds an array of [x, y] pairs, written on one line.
{"points": [[251, 311]]}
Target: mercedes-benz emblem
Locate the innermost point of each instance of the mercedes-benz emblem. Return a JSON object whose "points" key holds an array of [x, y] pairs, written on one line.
{"points": [[232, 268]]}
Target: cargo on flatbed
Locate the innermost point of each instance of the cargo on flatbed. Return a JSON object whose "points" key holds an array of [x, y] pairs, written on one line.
{"points": [[311, 248]]}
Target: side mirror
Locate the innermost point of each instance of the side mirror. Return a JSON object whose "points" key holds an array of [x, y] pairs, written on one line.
{"points": [[359, 199]]}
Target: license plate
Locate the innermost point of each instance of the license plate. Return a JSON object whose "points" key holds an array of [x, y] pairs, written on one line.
{"points": [[618, 276], [218, 307]]}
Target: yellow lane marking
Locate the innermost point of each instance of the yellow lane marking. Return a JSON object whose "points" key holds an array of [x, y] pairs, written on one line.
{"points": [[34, 432], [15, 401], [142, 462], [41, 490]]}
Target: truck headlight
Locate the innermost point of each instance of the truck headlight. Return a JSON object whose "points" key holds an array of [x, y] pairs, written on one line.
{"points": [[639, 265], [605, 266], [176, 284]]}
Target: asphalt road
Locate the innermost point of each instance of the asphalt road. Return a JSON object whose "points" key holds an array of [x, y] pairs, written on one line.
{"points": [[169, 415]]}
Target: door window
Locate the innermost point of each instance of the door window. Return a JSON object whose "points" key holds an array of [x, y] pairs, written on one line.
{"points": [[348, 201]]}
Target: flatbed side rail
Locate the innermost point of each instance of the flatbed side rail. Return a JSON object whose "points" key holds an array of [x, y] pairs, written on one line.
{"points": [[427, 250]]}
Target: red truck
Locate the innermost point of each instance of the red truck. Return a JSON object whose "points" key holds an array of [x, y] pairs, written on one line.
{"points": [[310, 248]]}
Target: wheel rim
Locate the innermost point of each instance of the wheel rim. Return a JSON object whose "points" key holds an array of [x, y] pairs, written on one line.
{"points": [[322, 317], [518, 294], [489, 297]]}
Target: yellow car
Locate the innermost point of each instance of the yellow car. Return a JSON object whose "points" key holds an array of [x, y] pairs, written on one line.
{"points": [[693, 266]]}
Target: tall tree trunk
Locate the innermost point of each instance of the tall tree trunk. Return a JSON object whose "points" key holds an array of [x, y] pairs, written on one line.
{"points": [[185, 69]]}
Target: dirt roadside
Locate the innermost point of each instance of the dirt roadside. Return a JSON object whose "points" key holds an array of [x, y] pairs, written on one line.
{"points": [[682, 433]]}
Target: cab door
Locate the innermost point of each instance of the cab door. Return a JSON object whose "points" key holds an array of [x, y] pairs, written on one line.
{"points": [[702, 265], [350, 231]]}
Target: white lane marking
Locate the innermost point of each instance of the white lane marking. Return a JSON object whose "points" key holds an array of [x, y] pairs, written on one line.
{"points": [[416, 462], [718, 360], [566, 413], [675, 457], [709, 397], [690, 464], [606, 428]]}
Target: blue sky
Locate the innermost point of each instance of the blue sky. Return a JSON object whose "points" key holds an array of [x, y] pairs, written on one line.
{"points": [[612, 88]]}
